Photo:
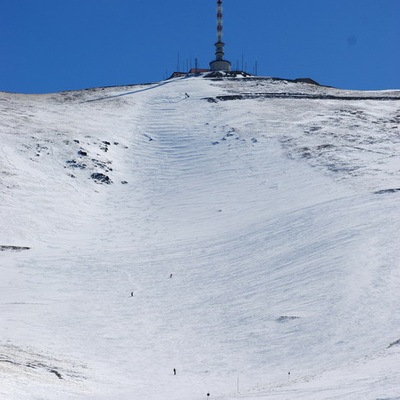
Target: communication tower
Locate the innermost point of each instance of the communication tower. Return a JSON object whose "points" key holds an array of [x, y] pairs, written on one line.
{"points": [[219, 64]]}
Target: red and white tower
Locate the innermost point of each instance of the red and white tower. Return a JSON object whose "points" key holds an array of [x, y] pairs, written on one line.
{"points": [[219, 64]]}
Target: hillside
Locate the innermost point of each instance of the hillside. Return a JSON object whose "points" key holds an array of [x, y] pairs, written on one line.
{"points": [[233, 229]]}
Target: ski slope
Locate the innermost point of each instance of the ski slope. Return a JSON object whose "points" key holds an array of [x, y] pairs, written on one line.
{"points": [[244, 232]]}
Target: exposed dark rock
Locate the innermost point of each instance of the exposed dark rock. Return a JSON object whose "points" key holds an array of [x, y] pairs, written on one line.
{"points": [[231, 97], [305, 152], [227, 74], [8, 361], [55, 372], [102, 164], [386, 191], [13, 248], [101, 178], [75, 164], [298, 96], [396, 343], [307, 80], [104, 145], [325, 146], [82, 153], [285, 318]]}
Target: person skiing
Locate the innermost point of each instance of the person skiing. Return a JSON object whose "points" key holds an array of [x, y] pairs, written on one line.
{"points": [[174, 371]]}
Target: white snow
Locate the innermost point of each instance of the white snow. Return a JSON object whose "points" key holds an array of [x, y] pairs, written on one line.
{"points": [[284, 258]]}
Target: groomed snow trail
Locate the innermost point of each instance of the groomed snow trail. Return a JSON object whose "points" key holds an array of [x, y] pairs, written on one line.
{"points": [[283, 258]]}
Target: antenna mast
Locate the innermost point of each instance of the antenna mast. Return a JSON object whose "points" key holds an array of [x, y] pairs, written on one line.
{"points": [[220, 44], [220, 64]]}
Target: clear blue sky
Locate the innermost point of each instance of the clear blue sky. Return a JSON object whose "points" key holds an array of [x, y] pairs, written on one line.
{"points": [[54, 45]]}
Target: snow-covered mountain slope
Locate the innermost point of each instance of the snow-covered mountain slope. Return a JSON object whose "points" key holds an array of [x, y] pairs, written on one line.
{"points": [[233, 229]]}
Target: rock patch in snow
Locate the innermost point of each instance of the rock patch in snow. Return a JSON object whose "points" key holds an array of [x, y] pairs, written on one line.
{"points": [[13, 248], [386, 191], [101, 178], [396, 343], [286, 318]]}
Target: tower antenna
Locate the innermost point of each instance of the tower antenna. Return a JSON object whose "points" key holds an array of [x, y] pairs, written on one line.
{"points": [[220, 64]]}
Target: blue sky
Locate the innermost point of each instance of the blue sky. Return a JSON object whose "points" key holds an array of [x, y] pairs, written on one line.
{"points": [[54, 45]]}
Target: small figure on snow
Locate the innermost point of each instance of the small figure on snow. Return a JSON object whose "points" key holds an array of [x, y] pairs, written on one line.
{"points": [[170, 276], [187, 96], [174, 371], [208, 395], [131, 294]]}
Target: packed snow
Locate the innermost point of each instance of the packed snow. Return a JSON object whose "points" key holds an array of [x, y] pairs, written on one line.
{"points": [[243, 232]]}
